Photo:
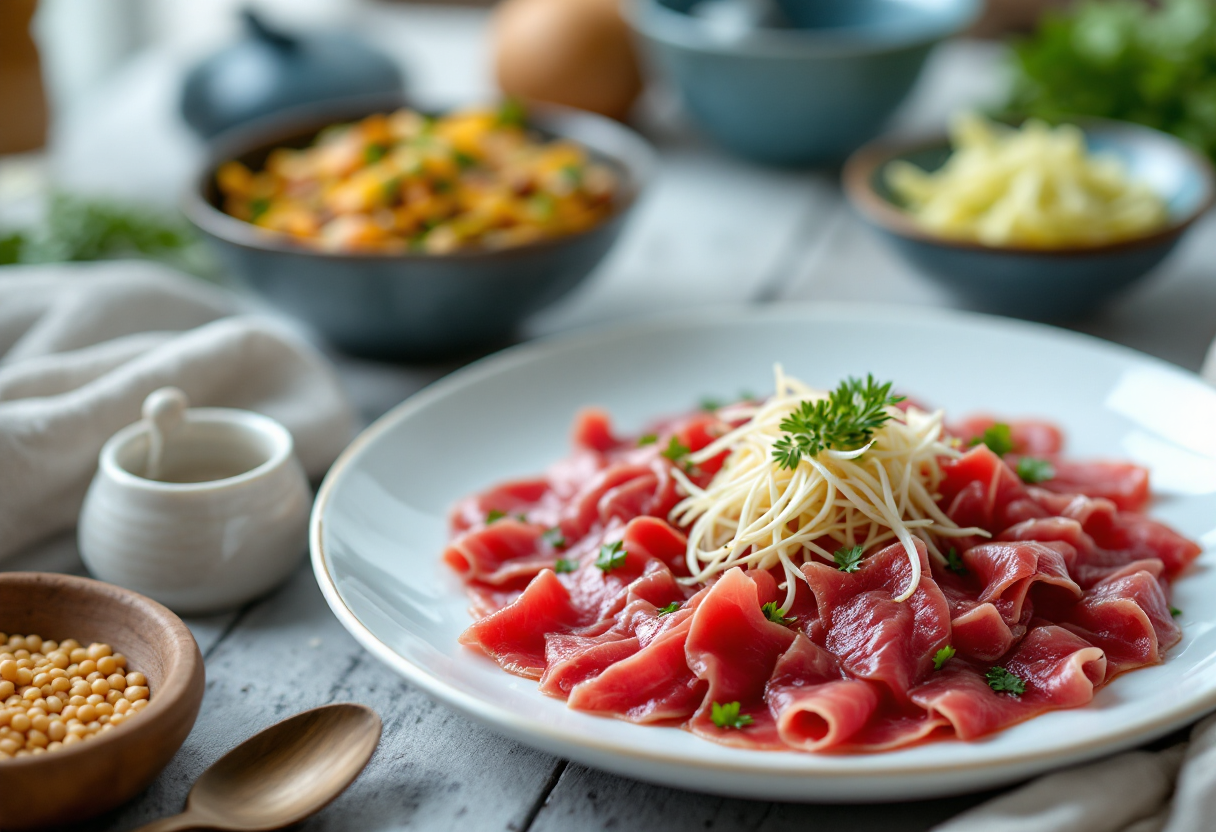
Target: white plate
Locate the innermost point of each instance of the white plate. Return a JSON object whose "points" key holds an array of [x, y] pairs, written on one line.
{"points": [[379, 523]]}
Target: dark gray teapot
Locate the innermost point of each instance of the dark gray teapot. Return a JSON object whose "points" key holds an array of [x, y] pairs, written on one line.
{"points": [[271, 71]]}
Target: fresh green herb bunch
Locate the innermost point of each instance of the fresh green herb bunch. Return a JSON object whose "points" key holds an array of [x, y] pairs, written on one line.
{"points": [[78, 228], [844, 421], [1154, 64]]}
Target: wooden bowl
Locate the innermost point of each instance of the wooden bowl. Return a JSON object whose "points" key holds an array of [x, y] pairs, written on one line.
{"points": [[92, 777]]}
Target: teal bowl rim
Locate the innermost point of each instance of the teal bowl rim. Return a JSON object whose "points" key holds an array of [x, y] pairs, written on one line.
{"points": [[269, 132], [656, 21], [861, 166]]}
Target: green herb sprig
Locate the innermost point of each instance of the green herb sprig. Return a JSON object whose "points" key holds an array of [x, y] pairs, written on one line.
{"points": [[844, 421], [942, 656], [998, 438], [777, 615], [726, 715], [954, 562], [848, 560], [611, 556], [1032, 470], [669, 609], [564, 565], [1002, 681]]}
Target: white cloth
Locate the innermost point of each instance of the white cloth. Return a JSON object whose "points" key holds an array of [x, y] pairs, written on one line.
{"points": [[1140, 791], [81, 345]]}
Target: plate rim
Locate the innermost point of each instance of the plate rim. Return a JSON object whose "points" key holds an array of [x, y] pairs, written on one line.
{"points": [[539, 734]]}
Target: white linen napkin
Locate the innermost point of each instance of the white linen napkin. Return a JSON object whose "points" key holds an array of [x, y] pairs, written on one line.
{"points": [[81, 345]]}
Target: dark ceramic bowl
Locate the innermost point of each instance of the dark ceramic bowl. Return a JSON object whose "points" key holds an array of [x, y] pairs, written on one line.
{"points": [[1038, 284], [808, 92], [413, 305]]}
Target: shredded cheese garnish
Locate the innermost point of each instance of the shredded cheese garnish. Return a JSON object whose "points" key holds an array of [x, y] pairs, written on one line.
{"points": [[757, 513]]}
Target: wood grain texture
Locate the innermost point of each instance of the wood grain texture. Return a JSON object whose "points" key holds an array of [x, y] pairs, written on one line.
{"points": [[83, 780]]}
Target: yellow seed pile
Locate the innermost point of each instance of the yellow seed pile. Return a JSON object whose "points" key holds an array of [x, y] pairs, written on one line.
{"points": [[54, 694]]}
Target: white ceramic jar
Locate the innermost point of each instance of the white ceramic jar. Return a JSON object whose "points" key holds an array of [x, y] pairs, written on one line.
{"points": [[224, 520]]}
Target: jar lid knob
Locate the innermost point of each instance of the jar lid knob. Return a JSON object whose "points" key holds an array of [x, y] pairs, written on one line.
{"points": [[163, 410]]}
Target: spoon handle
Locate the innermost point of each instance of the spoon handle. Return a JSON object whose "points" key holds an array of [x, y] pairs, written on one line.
{"points": [[172, 824]]}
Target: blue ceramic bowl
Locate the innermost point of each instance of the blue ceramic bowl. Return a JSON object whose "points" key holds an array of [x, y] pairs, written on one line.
{"points": [[1038, 284], [806, 93], [413, 306]]}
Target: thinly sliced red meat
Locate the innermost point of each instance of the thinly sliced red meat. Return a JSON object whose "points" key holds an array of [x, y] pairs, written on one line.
{"points": [[515, 635], [1006, 572], [875, 636], [734, 648], [1059, 669], [1124, 484], [979, 489], [500, 552], [1029, 436], [593, 430], [509, 498], [816, 706], [1129, 618]]}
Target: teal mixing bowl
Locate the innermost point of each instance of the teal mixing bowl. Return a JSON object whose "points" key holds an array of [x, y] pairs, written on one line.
{"points": [[1038, 284], [806, 92]]}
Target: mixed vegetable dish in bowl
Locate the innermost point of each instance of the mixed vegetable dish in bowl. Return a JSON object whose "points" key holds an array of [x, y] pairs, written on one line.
{"points": [[1036, 221], [398, 233]]}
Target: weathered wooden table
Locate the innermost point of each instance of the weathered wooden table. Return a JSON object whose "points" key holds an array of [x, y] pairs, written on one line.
{"points": [[713, 230]]}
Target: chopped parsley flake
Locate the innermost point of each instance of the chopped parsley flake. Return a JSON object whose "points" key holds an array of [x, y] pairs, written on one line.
{"points": [[647, 439], [554, 538], [776, 615], [710, 404], [1175, 612], [998, 438], [1033, 470], [669, 609], [726, 715], [676, 450], [1002, 681], [563, 565], [848, 560], [942, 656], [954, 562], [611, 556], [844, 421], [494, 516]]}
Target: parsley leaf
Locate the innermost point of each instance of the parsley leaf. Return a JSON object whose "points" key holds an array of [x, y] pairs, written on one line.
{"points": [[1033, 470], [1175, 612], [647, 439], [776, 615], [844, 421], [554, 538], [954, 562], [494, 516], [998, 438], [563, 565], [847, 560], [676, 450], [669, 609], [942, 656], [611, 556], [1002, 681], [727, 715]]}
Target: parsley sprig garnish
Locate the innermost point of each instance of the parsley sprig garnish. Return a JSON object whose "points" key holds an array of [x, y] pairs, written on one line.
{"points": [[611, 556], [844, 421], [777, 615], [942, 656], [954, 562], [669, 609], [676, 450], [1002, 681], [726, 715], [998, 438], [564, 565], [1033, 470], [848, 560]]}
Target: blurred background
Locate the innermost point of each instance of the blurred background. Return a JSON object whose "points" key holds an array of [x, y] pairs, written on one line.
{"points": [[751, 106]]}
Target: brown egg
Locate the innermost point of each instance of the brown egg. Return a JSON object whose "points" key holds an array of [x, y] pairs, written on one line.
{"points": [[574, 52]]}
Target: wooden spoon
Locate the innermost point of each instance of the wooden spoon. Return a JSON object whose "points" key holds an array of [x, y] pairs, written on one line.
{"points": [[283, 774]]}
